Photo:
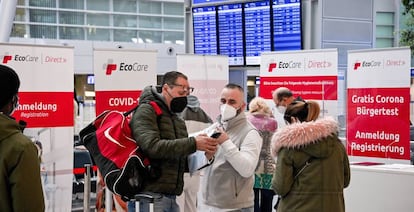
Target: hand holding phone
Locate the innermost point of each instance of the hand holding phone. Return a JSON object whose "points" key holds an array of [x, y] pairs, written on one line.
{"points": [[216, 135]]}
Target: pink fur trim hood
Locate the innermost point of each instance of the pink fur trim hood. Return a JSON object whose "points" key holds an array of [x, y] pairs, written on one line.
{"points": [[300, 134]]}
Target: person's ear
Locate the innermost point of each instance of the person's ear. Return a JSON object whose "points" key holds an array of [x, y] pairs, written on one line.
{"points": [[8, 108], [15, 101], [243, 106], [165, 87]]}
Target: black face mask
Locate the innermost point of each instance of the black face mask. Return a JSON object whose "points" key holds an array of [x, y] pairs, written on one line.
{"points": [[178, 104]]}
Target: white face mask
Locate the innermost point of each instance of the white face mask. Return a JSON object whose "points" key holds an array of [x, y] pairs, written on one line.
{"points": [[281, 109], [227, 112]]}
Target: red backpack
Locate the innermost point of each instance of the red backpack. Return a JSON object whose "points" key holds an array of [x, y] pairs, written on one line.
{"points": [[117, 155]]}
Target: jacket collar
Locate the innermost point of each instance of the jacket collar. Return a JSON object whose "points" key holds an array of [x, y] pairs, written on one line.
{"points": [[8, 126], [301, 134]]}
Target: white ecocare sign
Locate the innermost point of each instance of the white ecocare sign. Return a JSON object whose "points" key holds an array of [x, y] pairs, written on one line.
{"points": [[208, 74], [120, 77], [310, 74], [378, 104], [378, 130], [46, 104]]}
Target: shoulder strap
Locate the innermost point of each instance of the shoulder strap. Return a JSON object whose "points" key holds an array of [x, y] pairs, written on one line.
{"points": [[307, 163], [157, 108], [130, 111], [154, 105]]}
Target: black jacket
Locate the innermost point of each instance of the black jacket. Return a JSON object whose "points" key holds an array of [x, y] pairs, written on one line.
{"points": [[165, 140]]}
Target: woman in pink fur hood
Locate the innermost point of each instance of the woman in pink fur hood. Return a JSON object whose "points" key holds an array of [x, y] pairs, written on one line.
{"points": [[312, 167]]}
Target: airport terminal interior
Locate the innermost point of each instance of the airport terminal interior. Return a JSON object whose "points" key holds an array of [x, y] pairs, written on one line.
{"points": [[241, 30]]}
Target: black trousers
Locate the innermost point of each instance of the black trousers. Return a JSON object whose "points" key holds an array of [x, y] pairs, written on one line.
{"points": [[263, 200]]}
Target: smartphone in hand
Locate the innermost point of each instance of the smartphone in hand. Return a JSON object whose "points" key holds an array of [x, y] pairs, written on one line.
{"points": [[216, 135]]}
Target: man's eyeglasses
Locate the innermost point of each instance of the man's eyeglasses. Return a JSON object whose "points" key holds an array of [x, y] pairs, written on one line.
{"points": [[188, 90]]}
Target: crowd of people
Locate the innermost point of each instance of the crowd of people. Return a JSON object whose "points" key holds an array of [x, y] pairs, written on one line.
{"points": [[259, 154]]}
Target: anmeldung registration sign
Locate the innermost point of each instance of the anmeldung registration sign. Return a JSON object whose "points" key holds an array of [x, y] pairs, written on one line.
{"points": [[378, 100]]}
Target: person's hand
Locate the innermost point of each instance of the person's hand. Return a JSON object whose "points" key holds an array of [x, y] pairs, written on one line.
{"points": [[206, 144], [223, 136], [209, 156]]}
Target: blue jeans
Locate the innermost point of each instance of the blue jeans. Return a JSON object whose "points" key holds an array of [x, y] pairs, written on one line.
{"points": [[166, 203]]}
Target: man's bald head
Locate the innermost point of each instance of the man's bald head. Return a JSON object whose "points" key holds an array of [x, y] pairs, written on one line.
{"points": [[282, 96]]}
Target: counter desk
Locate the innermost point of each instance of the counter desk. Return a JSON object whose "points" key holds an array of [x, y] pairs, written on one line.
{"points": [[380, 188]]}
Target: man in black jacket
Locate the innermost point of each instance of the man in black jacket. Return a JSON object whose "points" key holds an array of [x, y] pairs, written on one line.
{"points": [[165, 140], [20, 184]]}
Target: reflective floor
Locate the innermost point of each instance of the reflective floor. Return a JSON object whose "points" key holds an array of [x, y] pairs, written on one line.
{"points": [[77, 202]]}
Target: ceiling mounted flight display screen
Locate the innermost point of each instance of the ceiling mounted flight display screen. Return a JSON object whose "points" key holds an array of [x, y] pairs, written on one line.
{"points": [[205, 30], [230, 27], [257, 30], [244, 30], [287, 27]]}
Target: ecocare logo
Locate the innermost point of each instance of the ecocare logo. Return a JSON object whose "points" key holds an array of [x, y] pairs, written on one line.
{"points": [[357, 65], [7, 58], [367, 64], [271, 67], [19, 58], [110, 68], [125, 67], [285, 65]]}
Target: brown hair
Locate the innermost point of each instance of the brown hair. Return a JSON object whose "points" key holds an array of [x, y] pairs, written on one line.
{"points": [[303, 111], [170, 77]]}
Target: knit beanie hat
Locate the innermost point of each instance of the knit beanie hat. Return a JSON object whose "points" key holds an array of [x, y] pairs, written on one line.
{"points": [[9, 84]]}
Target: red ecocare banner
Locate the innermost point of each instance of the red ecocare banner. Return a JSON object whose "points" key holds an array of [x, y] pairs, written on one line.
{"points": [[45, 109], [116, 100], [377, 122], [307, 87]]}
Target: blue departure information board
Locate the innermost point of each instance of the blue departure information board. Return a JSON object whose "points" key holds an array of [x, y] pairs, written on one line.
{"points": [[257, 30], [230, 32], [287, 25], [205, 30], [242, 30], [207, 1]]}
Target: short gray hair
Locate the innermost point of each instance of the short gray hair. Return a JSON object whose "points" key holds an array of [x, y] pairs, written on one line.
{"points": [[280, 93]]}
